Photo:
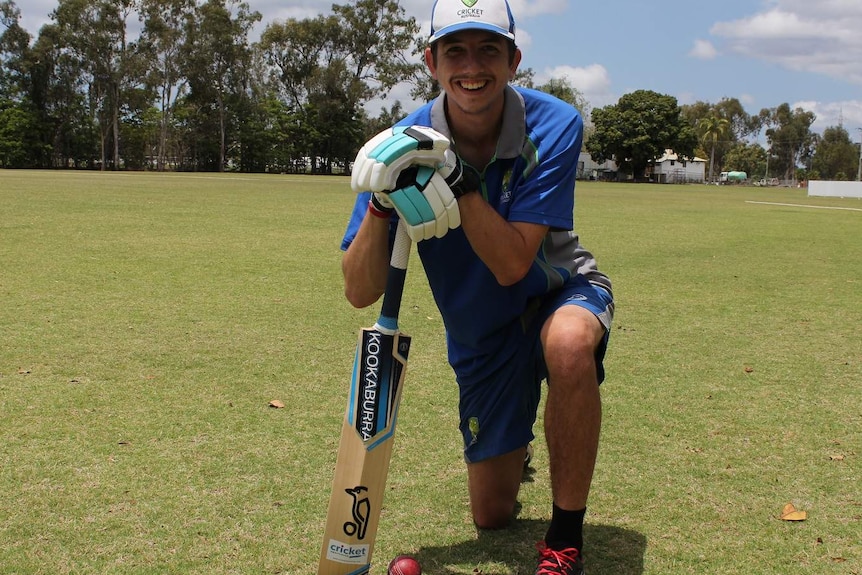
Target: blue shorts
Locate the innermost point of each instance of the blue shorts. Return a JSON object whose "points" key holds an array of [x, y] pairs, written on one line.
{"points": [[498, 413]]}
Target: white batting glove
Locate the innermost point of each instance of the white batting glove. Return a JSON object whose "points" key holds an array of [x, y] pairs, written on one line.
{"points": [[382, 158], [425, 202]]}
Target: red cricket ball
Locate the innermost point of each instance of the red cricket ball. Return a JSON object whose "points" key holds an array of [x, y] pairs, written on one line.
{"points": [[404, 565]]}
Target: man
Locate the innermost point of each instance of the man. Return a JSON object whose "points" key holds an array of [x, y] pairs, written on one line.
{"points": [[521, 300]]}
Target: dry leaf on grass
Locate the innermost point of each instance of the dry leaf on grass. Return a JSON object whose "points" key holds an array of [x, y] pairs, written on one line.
{"points": [[836, 458], [790, 513], [276, 404]]}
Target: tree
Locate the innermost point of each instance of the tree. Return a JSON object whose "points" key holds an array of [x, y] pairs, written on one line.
{"points": [[374, 42], [748, 158], [638, 129], [293, 50], [162, 42], [95, 34], [58, 93], [740, 126], [712, 130], [328, 67], [217, 57], [790, 138], [836, 156], [14, 49], [563, 89]]}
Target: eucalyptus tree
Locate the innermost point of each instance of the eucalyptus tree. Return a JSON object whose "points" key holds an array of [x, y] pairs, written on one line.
{"points": [[216, 58], [836, 157], [563, 89], [161, 43], [327, 68], [374, 41], [18, 123], [14, 47], [58, 90], [791, 141], [94, 33]]}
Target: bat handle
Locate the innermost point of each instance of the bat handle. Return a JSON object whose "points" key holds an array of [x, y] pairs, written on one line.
{"points": [[388, 320]]}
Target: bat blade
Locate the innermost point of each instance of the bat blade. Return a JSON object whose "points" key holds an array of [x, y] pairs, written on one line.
{"points": [[367, 433]]}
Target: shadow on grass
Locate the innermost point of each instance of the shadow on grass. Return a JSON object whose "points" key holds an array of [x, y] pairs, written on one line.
{"points": [[609, 550]]}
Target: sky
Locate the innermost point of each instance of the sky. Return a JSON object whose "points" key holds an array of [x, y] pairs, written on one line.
{"points": [[807, 53]]}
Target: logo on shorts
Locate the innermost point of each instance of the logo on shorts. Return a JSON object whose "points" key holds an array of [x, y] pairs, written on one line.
{"points": [[473, 424], [578, 297]]}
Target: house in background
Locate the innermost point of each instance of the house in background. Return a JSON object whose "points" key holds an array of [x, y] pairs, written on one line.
{"points": [[672, 169], [669, 169], [590, 170]]}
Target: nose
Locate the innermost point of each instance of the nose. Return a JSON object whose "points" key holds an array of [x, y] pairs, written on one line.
{"points": [[471, 60]]}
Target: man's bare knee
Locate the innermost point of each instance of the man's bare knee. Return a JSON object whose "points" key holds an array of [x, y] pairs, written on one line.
{"points": [[496, 517]]}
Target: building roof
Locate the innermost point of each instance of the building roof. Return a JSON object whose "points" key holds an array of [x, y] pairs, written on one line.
{"points": [[669, 155]]}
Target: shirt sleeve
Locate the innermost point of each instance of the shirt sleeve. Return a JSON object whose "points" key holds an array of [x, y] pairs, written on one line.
{"points": [[546, 194], [356, 217]]}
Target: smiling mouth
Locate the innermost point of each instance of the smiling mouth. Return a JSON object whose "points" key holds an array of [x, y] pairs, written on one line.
{"points": [[472, 85]]}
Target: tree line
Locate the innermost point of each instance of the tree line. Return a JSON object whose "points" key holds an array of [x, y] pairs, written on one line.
{"points": [[180, 85]]}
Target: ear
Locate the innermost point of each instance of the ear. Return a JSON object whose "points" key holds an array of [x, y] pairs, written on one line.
{"points": [[429, 61], [516, 61]]}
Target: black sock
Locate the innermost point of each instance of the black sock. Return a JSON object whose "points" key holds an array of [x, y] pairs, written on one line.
{"points": [[566, 529]]}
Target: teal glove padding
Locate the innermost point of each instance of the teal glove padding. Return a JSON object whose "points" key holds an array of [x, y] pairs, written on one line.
{"points": [[425, 203], [381, 159]]}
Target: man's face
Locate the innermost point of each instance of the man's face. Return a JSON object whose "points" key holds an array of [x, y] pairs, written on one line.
{"points": [[474, 68]]}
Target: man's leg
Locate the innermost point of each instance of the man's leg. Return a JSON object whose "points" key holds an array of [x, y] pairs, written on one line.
{"points": [[573, 415], [494, 484]]}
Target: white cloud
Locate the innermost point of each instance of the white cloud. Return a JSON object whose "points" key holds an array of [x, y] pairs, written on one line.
{"points": [[848, 113], [822, 37], [703, 50], [592, 81]]}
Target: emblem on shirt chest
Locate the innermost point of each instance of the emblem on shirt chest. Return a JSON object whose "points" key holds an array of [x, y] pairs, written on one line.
{"points": [[506, 192]]}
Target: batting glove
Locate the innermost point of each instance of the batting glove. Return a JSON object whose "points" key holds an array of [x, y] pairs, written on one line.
{"points": [[460, 178], [382, 158], [425, 202]]}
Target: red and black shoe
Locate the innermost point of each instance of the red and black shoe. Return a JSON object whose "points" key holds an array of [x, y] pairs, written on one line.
{"points": [[559, 562]]}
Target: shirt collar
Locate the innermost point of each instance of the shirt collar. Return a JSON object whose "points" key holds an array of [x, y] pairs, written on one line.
{"points": [[514, 130]]}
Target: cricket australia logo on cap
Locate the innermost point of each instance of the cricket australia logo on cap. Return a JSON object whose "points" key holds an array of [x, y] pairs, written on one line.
{"points": [[450, 16], [470, 11]]}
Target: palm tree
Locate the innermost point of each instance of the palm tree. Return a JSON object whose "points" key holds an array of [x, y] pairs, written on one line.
{"points": [[712, 129]]}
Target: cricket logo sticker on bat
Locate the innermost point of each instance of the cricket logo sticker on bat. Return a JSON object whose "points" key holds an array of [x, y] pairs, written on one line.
{"points": [[367, 432]]}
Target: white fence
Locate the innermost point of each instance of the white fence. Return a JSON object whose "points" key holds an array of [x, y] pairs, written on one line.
{"points": [[835, 189]]}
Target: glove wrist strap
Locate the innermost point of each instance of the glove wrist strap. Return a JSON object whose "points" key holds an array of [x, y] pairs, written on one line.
{"points": [[463, 180], [378, 210]]}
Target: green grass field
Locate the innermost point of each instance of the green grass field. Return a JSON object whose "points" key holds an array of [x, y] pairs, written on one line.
{"points": [[148, 320]]}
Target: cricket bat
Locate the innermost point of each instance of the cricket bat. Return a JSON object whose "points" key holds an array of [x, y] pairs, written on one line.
{"points": [[364, 451]]}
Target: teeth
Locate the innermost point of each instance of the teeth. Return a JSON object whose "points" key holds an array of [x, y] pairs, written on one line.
{"points": [[472, 85]]}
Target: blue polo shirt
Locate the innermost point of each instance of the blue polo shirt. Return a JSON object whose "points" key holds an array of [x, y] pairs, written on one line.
{"points": [[530, 179]]}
